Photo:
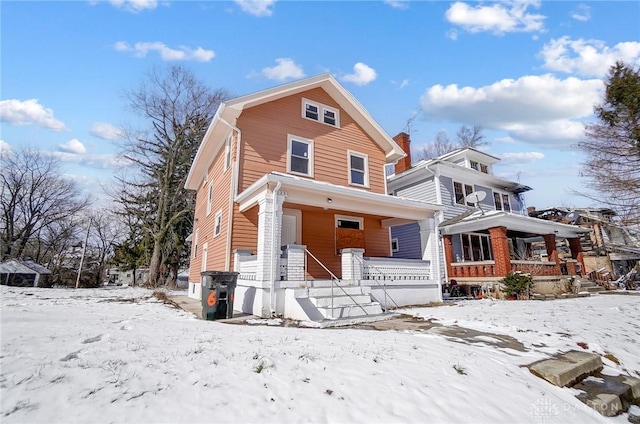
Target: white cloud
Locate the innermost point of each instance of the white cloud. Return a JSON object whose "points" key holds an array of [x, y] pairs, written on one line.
{"points": [[134, 6], [587, 57], [4, 147], [362, 74], [105, 131], [404, 83], [499, 18], [452, 35], [521, 158], [99, 161], [541, 110], [285, 68], [257, 7], [141, 49], [29, 112], [73, 146], [581, 13], [398, 4]]}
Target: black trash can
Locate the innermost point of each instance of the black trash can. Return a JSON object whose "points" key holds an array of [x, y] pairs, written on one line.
{"points": [[218, 288]]}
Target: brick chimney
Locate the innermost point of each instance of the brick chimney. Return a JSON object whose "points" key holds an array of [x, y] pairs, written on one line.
{"points": [[403, 141]]}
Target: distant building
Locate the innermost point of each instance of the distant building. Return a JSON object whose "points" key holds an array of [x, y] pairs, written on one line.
{"points": [[24, 273]]}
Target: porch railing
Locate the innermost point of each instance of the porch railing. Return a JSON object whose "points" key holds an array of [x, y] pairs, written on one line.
{"points": [[488, 268], [248, 267]]}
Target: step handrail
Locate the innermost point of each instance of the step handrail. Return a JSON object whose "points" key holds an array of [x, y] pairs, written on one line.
{"points": [[384, 279], [333, 277]]}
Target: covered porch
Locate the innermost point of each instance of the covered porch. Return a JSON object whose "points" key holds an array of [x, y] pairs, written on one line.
{"points": [[324, 251], [481, 248]]}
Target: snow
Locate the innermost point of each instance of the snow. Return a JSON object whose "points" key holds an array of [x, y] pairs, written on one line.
{"points": [[119, 355]]}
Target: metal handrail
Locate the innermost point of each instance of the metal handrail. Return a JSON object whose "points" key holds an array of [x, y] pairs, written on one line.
{"points": [[384, 285], [333, 277]]}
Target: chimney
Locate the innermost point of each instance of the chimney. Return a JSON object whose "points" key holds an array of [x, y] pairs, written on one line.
{"points": [[403, 141]]}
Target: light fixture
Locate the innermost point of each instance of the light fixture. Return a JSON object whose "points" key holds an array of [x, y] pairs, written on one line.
{"points": [[329, 200]]}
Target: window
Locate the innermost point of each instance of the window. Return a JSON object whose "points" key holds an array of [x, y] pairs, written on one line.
{"points": [[209, 198], [227, 152], [349, 223], [217, 226], [501, 201], [320, 113], [300, 156], [461, 191], [484, 168], [476, 247], [394, 245], [475, 165], [196, 236], [358, 169]]}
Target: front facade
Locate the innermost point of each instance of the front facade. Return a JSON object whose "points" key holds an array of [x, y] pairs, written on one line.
{"points": [[484, 228], [291, 191]]}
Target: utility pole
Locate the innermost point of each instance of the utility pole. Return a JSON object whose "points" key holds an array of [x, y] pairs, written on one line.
{"points": [[84, 250]]}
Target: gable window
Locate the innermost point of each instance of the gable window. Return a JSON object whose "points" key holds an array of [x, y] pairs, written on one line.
{"points": [[209, 198], [461, 191], [358, 169], [501, 201], [320, 113], [227, 152], [217, 226], [479, 166], [300, 156], [484, 168]]}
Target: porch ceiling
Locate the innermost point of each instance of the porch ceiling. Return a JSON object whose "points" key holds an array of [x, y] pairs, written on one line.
{"points": [[330, 196], [520, 223]]}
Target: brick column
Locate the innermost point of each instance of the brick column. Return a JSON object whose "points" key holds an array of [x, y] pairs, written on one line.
{"points": [[576, 252], [295, 262], [447, 240], [352, 264], [500, 248], [552, 251]]}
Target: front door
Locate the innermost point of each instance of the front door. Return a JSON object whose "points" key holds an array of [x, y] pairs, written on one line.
{"points": [[291, 226]]}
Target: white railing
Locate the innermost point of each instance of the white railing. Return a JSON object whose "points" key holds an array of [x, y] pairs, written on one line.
{"points": [[248, 267], [395, 269]]}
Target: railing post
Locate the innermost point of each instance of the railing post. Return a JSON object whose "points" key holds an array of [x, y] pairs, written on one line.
{"points": [[352, 264], [296, 269]]}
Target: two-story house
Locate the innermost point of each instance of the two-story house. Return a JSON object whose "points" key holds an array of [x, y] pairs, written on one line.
{"points": [[485, 230], [292, 194]]}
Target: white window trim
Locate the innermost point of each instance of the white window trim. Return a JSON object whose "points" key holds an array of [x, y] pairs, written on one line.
{"points": [[366, 167], [196, 237], [321, 109], [464, 191], [227, 151], [397, 243], [309, 142], [217, 226], [209, 197], [502, 194], [357, 219], [205, 252]]}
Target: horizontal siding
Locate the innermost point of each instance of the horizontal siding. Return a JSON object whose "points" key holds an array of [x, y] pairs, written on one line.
{"points": [[408, 241], [421, 190], [264, 135], [245, 229]]}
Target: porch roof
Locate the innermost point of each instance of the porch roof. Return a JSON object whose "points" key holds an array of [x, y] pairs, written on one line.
{"points": [[479, 221], [325, 195]]}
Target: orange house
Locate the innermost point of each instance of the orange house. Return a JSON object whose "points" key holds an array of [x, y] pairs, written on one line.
{"points": [[291, 193]]}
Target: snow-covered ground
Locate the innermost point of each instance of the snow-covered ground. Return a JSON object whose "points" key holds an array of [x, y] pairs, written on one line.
{"points": [[119, 355]]}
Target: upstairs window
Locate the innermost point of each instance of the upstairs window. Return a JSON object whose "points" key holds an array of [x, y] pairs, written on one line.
{"points": [[217, 226], [195, 243], [358, 169], [479, 167], [300, 156], [461, 191], [501, 201], [320, 113], [209, 198]]}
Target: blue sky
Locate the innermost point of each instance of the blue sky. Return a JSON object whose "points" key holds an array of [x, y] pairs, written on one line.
{"points": [[529, 72]]}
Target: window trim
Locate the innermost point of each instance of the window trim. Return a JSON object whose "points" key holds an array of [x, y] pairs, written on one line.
{"points": [[397, 245], [217, 224], [464, 193], [196, 237], [309, 143], [205, 253], [322, 108], [209, 198], [365, 171], [502, 195], [358, 219]]}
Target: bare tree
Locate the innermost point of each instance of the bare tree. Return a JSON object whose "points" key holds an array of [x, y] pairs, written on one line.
{"points": [[178, 109], [471, 137], [612, 144], [440, 146], [36, 202]]}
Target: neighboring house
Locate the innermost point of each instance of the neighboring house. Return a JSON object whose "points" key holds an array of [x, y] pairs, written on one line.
{"points": [[127, 277], [291, 193], [23, 273], [611, 248], [485, 231]]}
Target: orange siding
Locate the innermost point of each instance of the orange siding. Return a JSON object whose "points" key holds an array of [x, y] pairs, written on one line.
{"points": [[245, 230], [264, 138]]}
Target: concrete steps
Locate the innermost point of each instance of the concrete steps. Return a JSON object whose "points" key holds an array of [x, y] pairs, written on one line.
{"points": [[589, 286], [341, 302], [609, 395]]}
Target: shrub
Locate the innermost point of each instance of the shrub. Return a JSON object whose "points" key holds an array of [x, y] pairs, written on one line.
{"points": [[516, 284]]}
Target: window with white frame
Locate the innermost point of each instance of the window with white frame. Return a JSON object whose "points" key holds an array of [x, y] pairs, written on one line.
{"points": [[300, 156], [461, 191], [476, 247], [227, 152], [320, 113], [479, 166], [196, 236], [209, 197], [350, 222], [394, 245], [501, 201], [217, 224], [358, 169]]}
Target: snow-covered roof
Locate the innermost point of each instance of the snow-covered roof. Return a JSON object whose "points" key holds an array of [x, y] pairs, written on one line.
{"points": [[15, 266]]}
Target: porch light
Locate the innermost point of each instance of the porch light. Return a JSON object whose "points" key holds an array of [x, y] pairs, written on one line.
{"points": [[329, 200]]}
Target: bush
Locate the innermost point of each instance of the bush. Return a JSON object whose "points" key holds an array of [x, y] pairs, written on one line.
{"points": [[516, 285]]}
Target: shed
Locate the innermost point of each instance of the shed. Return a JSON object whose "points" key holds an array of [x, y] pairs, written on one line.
{"points": [[23, 273]]}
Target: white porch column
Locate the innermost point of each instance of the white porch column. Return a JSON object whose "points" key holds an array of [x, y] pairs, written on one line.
{"points": [[429, 244], [352, 264], [295, 262], [269, 225]]}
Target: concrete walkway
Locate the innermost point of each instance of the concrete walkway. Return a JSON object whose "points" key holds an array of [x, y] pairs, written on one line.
{"points": [[195, 307]]}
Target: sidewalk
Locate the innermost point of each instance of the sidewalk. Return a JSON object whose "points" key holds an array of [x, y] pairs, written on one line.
{"points": [[195, 307]]}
